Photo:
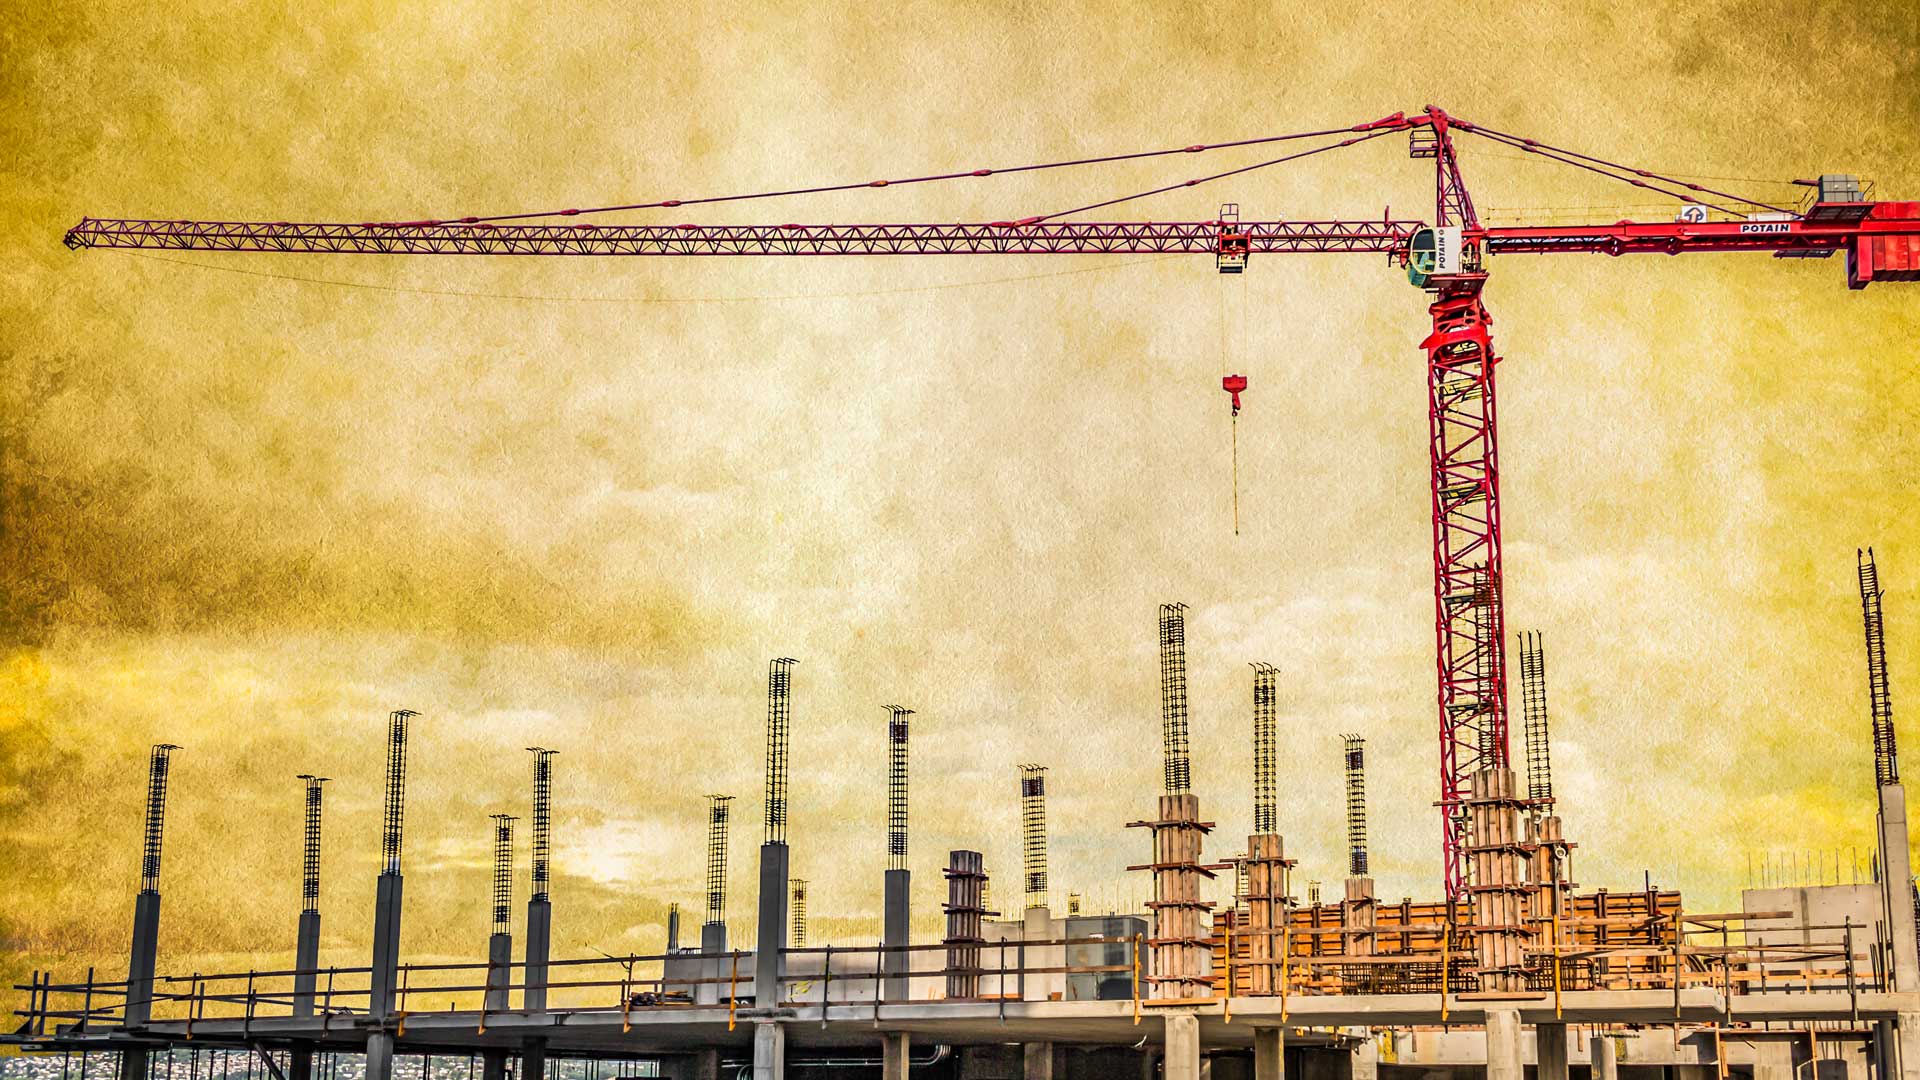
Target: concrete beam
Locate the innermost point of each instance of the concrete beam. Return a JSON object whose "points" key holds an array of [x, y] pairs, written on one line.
{"points": [[769, 1038], [1503, 1045], [1550, 1051], [1269, 1053], [1182, 1046]]}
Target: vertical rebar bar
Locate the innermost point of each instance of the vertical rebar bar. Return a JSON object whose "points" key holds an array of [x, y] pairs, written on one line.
{"points": [[897, 787], [1033, 832], [157, 765], [718, 811], [396, 807], [799, 905], [542, 840], [1356, 766], [502, 871], [1886, 758], [779, 720], [1533, 702], [310, 850], [1266, 817], [1173, 698]]}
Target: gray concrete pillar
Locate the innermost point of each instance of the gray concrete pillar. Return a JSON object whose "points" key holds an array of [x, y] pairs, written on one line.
{"points": [[769, 1038], [899, 887], [142, 957], [1149, 1064], [769, 949], [386, 947], [713, 941], [533, 1060], [1603, 1058], [1363, 1061], [539, 941], [133, 1064], [1269, 1054], [706, 1066], [380, 1055], [1182, 1046], [499, 971], [1039, 1061], [893, 1056], [1550, 1051], [1503, 1045], [300, 1062], [493, 1065], [1906, 1030], [1772, 1060], [306, 963], [1896, 888]]}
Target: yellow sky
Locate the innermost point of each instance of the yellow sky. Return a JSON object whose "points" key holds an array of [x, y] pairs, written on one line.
{"points": [[581, 502]]}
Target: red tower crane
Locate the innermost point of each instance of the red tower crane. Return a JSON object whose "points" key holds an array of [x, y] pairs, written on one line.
{"points": [[1447, 259]]}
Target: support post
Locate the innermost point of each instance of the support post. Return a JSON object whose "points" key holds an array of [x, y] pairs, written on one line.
{"points": [[493, 1065], [894, 1052], [1603, 1058], [1038, 1064], [140, 964], [899, 888], [539, 937], [1550, 1051], [1907, 1037], [380, 1055], [386, 948], [1896, 885], [769, 1038], [769, 954], [306, 963], [1363, 1061], [1503, 1045], [499, 971], [300, 1062], [1182, 1046], [1269, 1053], [533, 1060]]}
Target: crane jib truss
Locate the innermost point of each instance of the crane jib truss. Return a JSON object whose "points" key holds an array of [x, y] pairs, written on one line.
{"points": [[1880, 240]]}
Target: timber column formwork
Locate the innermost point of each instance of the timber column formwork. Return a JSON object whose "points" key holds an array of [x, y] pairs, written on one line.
{"points": [[1181, 945], [1265, 870], [1496, 853], [966, 908]]}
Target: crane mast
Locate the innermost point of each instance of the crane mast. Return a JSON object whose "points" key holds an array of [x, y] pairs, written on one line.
{"points": [[1447, 259]]}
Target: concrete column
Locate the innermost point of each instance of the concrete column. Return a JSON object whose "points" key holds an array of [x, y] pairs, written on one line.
{"points": [[1364, 1061], [1550, 1051], [1601, 1054], [673, 928], [769, 1038], [1182, 1046], [539, 940], [499, 971], [386, 948], [300, 1062], [533, 1060], [1503, 1045], [493, 1065], [133, 1064], [1896, 877], [768, 958], [713, 941], [1269, 1054], [1906, 1031], [142, 957], [706, 1066], [1772, 1060], [380, 1055], [899, 887], [893, 1056], [306, 961], [1039, 1061]]}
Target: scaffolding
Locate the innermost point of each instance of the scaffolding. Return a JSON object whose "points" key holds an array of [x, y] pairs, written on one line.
{"points": [[1265, 700], [394, 815], [779, 720], [1886, 758], [502, 872], [897, 786], [157, 765], [542, 840], [1033, 832], [310, 848], [718, 811]]}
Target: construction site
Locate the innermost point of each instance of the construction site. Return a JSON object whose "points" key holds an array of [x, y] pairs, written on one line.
{"points": [[1511, 967]]}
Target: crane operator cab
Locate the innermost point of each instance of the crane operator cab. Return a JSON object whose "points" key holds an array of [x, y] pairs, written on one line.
{"points": [[1434, 252], [1231, 243]]}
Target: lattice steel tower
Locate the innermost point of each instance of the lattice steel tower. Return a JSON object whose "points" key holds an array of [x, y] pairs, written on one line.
{"points": [[1033, 832], [310, 849], [897, 786], [157, 765], [1533, 704], [542, 841], [502, 872], [1886, 757], [1266, 817], [719, 810], [1356, 762], [779, 721], [1173, 698], [394, 816]]}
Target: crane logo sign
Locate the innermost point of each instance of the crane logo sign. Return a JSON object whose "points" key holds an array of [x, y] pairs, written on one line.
{"points": [[1764, 227]]}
